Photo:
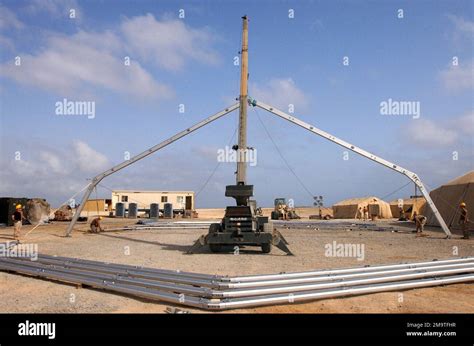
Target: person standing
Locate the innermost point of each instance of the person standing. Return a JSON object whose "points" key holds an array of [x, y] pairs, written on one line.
{"points": [[17, 218], [282, 211], [402, 214], [464, 220], [366, 213]]}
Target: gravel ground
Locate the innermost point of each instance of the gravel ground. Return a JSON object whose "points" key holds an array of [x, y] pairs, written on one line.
{"points": [[165, 249]]}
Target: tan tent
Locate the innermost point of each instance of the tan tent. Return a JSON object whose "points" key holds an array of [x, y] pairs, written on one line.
{"points": [[98, 205], [447, 198], [348, 208], [410, 205]]}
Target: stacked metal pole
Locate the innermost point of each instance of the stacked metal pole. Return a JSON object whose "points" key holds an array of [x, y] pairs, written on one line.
{"points": [[215, 292]]}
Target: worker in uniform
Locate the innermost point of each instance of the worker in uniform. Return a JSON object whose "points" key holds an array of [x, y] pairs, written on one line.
{"points": [[359, 213], [420, 222], [366, 213], [281, 210], [95, 225], [288, 214], [17, 218], [464, 220], [402, 214]]}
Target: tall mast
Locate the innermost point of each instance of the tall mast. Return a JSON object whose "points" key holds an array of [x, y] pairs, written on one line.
{"points": [[242, 146]]}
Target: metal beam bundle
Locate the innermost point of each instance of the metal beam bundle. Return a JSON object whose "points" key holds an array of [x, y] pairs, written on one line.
{"points": [[215, 292], [312, 225], [157, 226]]}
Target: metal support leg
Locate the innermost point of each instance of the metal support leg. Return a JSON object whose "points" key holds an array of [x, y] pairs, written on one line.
{"points": [[412, 176], [142, 155]]}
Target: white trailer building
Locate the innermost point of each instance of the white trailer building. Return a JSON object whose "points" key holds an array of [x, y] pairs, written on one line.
{"points": [[180, 199]]}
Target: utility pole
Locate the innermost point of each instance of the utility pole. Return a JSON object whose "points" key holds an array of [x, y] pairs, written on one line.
{"points": [[242, 146]]}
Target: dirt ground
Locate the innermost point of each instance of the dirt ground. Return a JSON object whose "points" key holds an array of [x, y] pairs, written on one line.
{"points": [[165, 249]]}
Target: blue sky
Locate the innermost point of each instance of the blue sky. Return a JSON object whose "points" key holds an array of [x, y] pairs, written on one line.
{"points": [[190, 61]]}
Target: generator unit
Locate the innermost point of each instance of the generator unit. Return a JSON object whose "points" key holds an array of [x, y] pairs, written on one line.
{"points": [[240, 224]]}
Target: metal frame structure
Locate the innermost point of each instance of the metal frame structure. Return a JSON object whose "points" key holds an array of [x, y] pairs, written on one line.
{"points": [[412, 176], [242, 145], [97, 179], [215, 292]]}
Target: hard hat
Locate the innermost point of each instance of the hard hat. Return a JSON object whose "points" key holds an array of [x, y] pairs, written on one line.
{"points": [[463, 204], [18, 206]]}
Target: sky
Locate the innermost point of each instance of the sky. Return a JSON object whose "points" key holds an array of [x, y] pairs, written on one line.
{"points": [[154, 68]]}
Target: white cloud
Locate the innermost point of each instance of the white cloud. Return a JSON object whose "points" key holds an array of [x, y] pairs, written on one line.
{"points": [[456, 78], [106, 41], [280, 92], [53, 162], [88, 159], [72, 64], [428, 133], [168, 43], [76, 64], [55, 8], [39, 174], [8, 22], [23, 169], [462, 25], [449, 133], [460, 77], [47, 172]]}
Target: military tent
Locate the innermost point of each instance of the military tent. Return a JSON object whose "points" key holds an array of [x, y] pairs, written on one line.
{"points": [[447, 198], [410, 205], [348, 208]]}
